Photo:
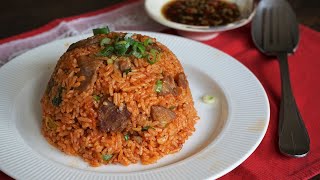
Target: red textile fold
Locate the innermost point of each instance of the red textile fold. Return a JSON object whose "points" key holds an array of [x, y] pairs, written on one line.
{"points": [[266, 162]]}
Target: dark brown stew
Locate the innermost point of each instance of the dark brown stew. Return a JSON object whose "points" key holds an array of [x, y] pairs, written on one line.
{"points": [[201, 12]]}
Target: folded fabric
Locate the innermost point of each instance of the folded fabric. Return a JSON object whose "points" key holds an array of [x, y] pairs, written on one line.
{"points": [[267, 162]]}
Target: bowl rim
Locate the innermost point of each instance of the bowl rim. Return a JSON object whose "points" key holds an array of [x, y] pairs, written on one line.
{"points": [[192, 28]]}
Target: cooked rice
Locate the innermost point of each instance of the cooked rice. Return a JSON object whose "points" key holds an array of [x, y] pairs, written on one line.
{"points": [[72, 125]]}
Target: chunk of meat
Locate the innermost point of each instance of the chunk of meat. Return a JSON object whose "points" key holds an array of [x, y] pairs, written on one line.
{"points": [[85, 42], [138, 139], [162, 114], [181, 80], [88, 68], [125, 65], [111, 118], [168, 86]]}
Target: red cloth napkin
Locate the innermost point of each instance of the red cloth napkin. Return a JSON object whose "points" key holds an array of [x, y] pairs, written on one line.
{"points": [[266, 162]]}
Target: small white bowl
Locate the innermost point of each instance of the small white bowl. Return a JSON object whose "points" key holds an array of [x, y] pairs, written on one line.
{"points": [[200, 33]]}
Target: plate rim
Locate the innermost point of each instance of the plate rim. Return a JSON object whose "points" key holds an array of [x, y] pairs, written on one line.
{"points": [[244, 157]]}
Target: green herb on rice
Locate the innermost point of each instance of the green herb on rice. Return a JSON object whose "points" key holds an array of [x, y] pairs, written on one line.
{"points": [[104, 30], [158, 86], [126, 46], [126, 137], [107, 51], [96, 98], [145, 128], [138, 50], [107, 157], [128, 36], [147, 42], [105, 41], [121, 47], [110, 61], [56, 101], [153, 56]]}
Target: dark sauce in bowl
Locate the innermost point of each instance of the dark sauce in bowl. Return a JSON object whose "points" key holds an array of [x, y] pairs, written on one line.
{"points": [[201, 12]]}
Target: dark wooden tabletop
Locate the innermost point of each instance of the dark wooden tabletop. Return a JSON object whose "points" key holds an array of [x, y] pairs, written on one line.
{"points": [[20, 16]]}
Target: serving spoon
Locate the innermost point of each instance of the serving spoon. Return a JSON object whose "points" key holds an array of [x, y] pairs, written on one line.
{"points": [[275, 32]]}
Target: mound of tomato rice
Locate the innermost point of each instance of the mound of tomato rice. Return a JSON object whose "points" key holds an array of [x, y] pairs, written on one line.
{"points": [[118, 98]]}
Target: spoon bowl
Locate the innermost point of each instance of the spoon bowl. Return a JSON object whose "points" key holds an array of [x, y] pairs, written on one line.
{"points": [[275, 32]]}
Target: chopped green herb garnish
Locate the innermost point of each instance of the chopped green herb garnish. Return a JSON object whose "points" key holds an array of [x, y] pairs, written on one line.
{"points": [[137, 54], [145, 128], [96, 98], [158, 86], [104, 30], [117, 38], [130, 41], [105, 41], [172, 107], [107, 157], [56, 101], [110, 61], [107, 51], [138, 50], [127, 70], [126, 46], [141, 48], [153, 56], [123, 43], [147, 42], [126, 137], [208, 99], [128, 36], [121, 47]]}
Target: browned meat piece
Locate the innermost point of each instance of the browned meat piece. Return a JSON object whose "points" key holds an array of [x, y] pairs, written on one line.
{"points": [[125, 65], [181, 80], [111, 118], [162, 114], [168, 86], [88, 68], [85, 42], [138, 139]]}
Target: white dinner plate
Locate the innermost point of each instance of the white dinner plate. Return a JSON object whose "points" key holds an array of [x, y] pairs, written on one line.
{"points": [[228, 131]]}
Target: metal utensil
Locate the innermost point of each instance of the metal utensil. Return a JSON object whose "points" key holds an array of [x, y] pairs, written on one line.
{"points": [[275, 32]]}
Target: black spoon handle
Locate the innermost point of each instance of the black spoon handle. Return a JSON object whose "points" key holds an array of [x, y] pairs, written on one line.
{"points": [[293, 136]]}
